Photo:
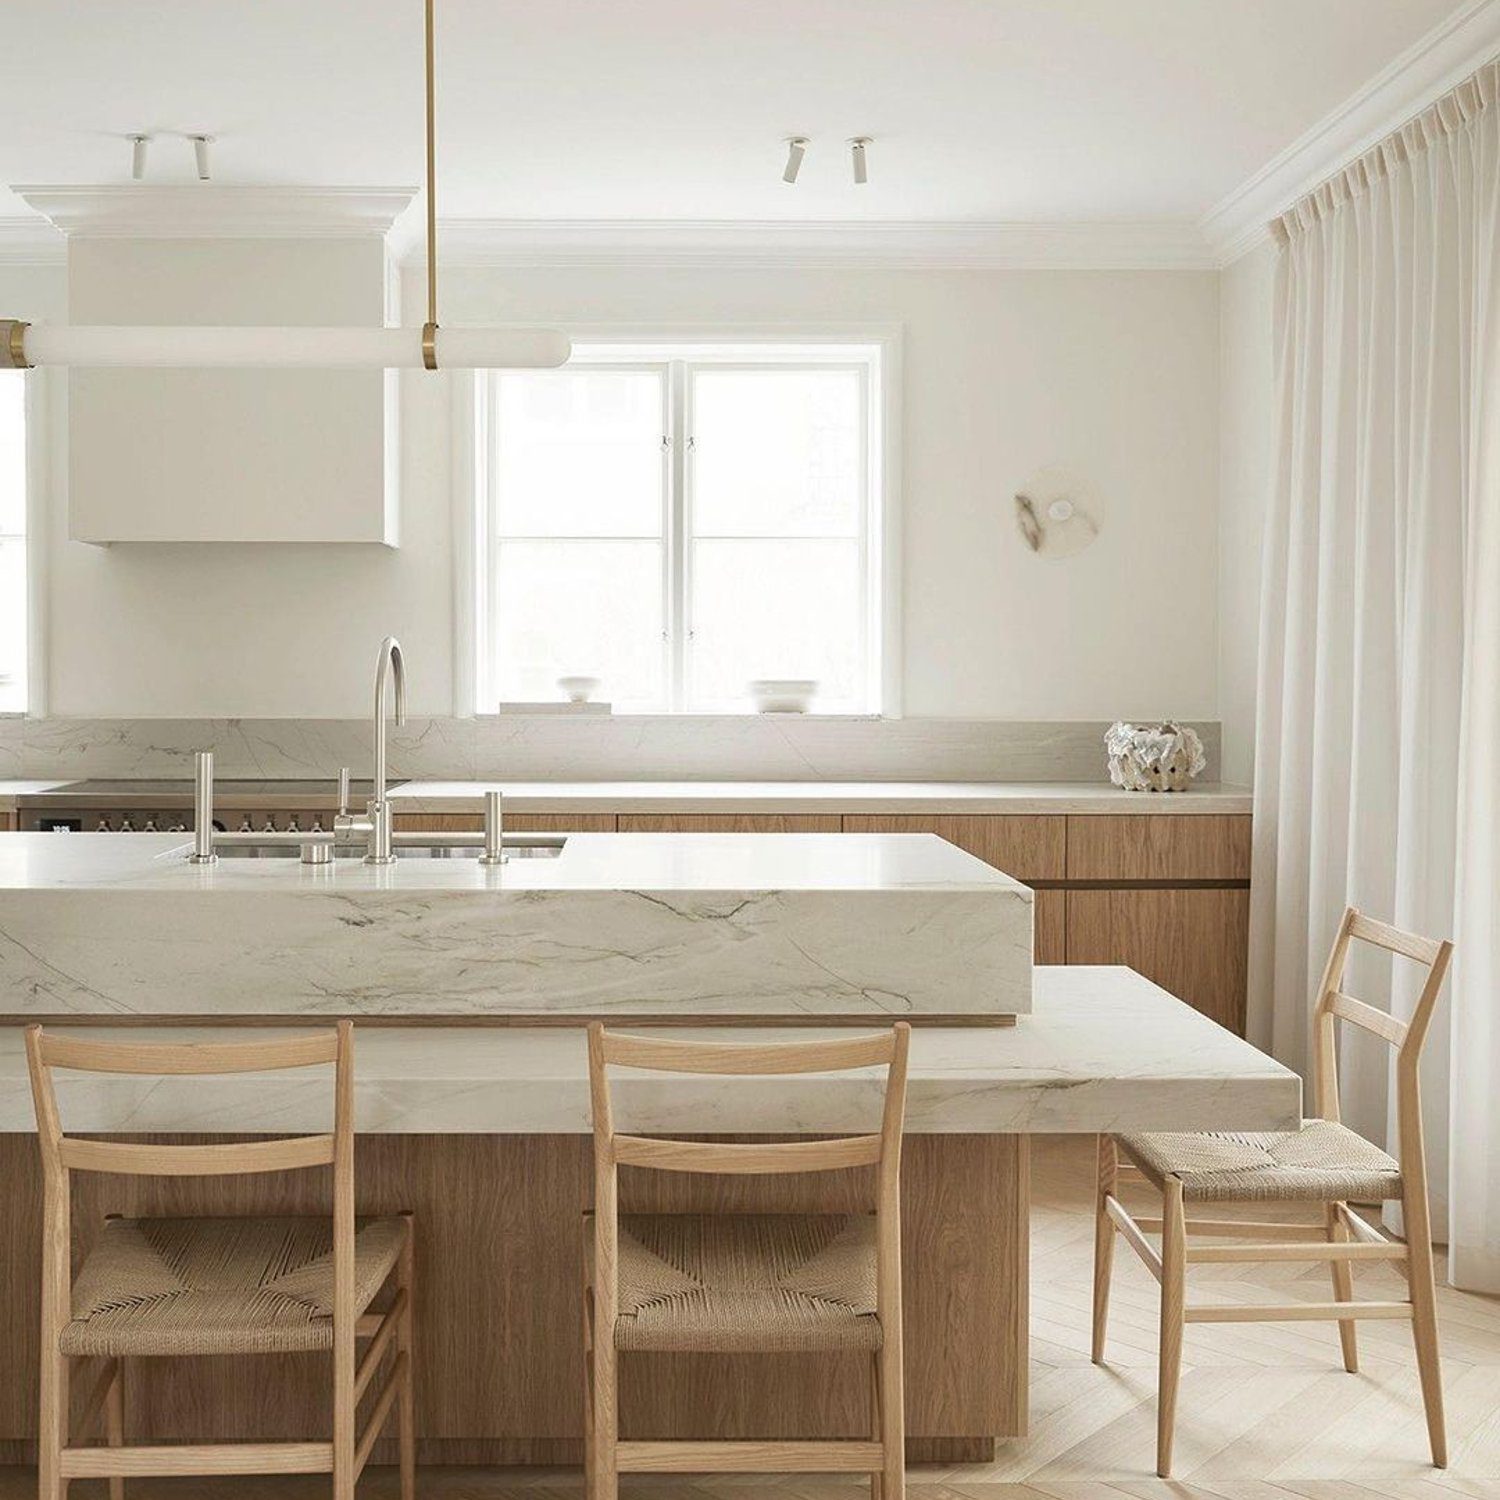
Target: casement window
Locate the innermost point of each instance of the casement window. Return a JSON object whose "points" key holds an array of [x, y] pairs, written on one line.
{"points": [[679, 521], [13, 607]]}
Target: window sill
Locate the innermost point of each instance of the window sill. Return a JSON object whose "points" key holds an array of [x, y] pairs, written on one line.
{"points": [[561, 712]]}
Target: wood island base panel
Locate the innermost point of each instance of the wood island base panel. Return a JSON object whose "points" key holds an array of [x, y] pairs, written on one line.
{"points": [[499, 1255]]}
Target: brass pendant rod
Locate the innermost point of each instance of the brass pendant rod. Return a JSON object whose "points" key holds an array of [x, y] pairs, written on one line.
{"points": [[429, 333]]}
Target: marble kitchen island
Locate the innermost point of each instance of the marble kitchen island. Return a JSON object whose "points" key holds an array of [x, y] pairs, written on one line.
{"points": [[481, 1128], [616, 926]]}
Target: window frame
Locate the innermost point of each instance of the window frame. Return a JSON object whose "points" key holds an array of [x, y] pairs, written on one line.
{"points": [[875, 352]]}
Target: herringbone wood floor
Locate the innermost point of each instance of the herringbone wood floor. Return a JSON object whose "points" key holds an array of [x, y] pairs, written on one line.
{"points": [[1266, 1411]]}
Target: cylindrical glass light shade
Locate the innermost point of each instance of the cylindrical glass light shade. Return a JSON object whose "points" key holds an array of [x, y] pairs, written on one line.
{"points": [[295, 348]]}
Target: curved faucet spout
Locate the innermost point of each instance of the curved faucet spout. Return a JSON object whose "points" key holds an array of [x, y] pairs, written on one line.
{"points": [[391, 664]]}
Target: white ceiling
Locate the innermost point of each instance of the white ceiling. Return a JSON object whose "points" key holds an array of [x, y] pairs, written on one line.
{"points": [[981, 110]]}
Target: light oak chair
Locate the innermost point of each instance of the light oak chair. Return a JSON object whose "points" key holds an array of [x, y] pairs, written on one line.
{"points": [[164, 1287], [746, 1283], [1324, 1162]]}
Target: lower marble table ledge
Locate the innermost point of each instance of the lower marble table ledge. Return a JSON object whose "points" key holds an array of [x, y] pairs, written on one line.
{"points": [[1104, 1049]]}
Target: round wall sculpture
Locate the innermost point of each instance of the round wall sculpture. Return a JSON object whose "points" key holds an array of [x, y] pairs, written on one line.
{"points": [[1059, 513]]}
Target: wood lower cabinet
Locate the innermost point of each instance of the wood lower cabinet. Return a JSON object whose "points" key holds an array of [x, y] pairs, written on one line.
{"points": [[514, 823], [1159, 846], [730, 823], [1028, 848], [7, 822], [1194, 943]]}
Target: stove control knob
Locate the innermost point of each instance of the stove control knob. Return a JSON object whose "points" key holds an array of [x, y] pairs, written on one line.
{"points": [[245, 825], [126, 826], [270, 824], [104, 826]]}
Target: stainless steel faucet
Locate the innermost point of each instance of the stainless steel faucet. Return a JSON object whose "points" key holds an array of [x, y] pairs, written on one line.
{"points": [[390, 665]]}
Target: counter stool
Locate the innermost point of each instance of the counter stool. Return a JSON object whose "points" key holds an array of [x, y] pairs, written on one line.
{"points": [[1323, 1162], [236, 1286], [745, 1283]]}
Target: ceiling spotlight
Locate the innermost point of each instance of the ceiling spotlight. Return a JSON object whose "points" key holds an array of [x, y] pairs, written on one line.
{"points": [[796, 149], [857, 152], [201, 144], [138, 156]]}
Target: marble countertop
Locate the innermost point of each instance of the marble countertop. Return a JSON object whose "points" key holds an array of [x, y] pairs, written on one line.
{"points": [[1104, 1049], [816, 797], [619, 924], [661, 862]]}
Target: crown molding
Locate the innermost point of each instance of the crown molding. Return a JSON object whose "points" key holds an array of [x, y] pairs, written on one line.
{"points": [[213, 211], [1438, 62], [28, 241], [828, 245]]}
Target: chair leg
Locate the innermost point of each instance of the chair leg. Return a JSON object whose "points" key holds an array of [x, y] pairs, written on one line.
{"points": [[52, 1427], [606, 1415], [1343, 1286], [892, 1417], [1423, 1284], [1173, 1295], [406, 1438], [1104, 1240], [114, 1424], [588, 1389], [877, 1481]]}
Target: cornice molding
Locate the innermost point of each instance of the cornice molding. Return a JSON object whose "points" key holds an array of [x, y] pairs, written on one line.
{"points": [[1438, 62], [215, 211], [29, 241], [830, 245]]}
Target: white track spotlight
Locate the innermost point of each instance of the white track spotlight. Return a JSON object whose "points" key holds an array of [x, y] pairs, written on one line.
{"points": [[796, 149], [201, 144], [138, 144], [857, 153]]}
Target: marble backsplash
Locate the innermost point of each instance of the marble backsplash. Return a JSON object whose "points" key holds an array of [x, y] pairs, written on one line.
{"points": [[582, 747]]}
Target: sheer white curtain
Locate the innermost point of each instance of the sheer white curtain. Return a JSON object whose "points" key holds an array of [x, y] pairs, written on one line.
{"points": [[1378, 729]]}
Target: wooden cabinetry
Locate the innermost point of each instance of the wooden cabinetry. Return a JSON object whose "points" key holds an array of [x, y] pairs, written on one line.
{"points": [[1159, 846], [1193, 942], [730, 823], [514, 823]]}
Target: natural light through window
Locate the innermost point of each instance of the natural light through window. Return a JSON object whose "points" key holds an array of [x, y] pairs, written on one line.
{"points": [[12, 542], [680, 522]]}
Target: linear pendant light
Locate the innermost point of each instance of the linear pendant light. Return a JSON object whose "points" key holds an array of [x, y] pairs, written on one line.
{"points": [[23, 346]]}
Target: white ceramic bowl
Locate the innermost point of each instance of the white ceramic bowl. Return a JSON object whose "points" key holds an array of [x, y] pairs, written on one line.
{"points": [[579, 689], [782, 695]]}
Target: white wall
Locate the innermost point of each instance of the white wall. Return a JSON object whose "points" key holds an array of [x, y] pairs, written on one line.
{"points": [[1245, 421], [1113, 374]]}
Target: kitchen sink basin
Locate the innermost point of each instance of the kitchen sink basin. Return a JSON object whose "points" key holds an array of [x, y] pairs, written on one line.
{"points": [[529, 849]]}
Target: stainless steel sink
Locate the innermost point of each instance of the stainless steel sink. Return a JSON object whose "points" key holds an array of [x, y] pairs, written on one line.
{"points": [[549, 849]]}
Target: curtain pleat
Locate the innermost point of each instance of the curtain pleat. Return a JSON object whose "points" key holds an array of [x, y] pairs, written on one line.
{"points": [[1378, 729]]}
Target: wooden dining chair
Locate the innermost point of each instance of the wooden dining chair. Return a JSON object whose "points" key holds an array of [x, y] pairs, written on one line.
{"points": [[1324, 1162], [154, 1288], [746, 1283]]}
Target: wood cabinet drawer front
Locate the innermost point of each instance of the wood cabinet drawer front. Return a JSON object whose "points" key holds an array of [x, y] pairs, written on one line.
{"points": [[514, 822], [1193, 943], [729, 822], [1028, 848], [1160, 846], [1049, 927]]}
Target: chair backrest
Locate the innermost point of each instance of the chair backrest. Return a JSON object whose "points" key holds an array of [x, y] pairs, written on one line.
{"points": [[881, 1150], [64, 1154], [1335, 1004]]}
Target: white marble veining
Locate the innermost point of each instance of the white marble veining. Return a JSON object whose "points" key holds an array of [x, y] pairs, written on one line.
{"points": [[1104, 1049], [619, 924], [780, 747], [926, 797]]}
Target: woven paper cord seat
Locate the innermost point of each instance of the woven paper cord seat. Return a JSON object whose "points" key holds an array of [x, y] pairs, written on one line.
{"points": [[747, 1283], [219, 1286], [1322, 1161]]}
